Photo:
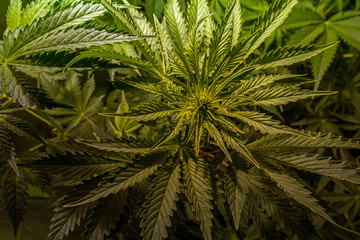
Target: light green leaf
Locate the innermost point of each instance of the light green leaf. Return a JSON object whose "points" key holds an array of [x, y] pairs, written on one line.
{"points": [[263, 123], [261, 80], [72, 39], [235, 19], [199, 19], [144, 28], [166, 47], [226, 36], [17, 42], [13, 17], [288, 55], [149, 111], [123, 124], [176, 23], [282, 95], [37, 9], [216, 135]]}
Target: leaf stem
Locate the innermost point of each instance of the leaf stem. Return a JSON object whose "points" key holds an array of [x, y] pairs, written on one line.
{"points": [[39, 117]]}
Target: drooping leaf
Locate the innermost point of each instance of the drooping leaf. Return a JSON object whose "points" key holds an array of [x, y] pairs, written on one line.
{"points": [[296, 190], [319, 165], [109, 54], [65, 219], [239, 146], [261, 80], [161, 202], [197, 188], [321, 62], [131, 145], [277, 206], [77, 165], [7, 148], [23, 90], [283, 141], [124, 180], [236, 191], [14, 195], [104, 216], [19, 126], [72, 39], [216, 135]]}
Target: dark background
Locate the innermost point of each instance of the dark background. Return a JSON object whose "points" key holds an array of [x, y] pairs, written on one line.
{"points": [[3, 7]]}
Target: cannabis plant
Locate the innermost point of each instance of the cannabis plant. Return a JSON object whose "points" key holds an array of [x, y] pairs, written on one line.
{"points": [[33, 38], [324, 23], [204, 151]]}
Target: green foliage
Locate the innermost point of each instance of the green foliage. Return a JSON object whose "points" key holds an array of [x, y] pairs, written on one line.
{"points": [[105, 216], [63, 29], [65, 219], [11, 124], [73, 94], [322, 24], [124, 126], [14, 196], [14, 14], [194, 139], [202, 102], [162, 200]]}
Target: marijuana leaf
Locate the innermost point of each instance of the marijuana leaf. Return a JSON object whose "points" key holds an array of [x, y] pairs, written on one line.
{"points": [[314, 24]]}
